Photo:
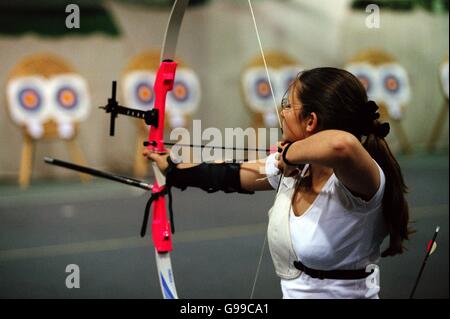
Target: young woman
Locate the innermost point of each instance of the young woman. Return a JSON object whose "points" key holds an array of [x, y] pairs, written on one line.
{"points": [[329, 219]]}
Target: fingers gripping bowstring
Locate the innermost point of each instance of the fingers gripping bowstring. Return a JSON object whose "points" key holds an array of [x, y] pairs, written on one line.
{"points": [[279, 122]]}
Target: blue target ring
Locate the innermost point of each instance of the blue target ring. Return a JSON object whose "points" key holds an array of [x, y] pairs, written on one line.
{"points": [[30, 99], [144, 93], [67, 97]]}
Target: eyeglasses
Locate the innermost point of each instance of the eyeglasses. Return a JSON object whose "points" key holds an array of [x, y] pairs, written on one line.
{"points": [[286, 106]]}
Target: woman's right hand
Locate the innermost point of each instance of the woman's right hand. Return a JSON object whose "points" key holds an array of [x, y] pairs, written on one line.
{"points": [[158, 158]]}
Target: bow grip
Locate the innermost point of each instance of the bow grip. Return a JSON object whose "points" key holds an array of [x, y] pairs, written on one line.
{"points": [[165, 78]]}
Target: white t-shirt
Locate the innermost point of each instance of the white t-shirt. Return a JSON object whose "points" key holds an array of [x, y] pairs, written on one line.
{"points": [[338, 231]]}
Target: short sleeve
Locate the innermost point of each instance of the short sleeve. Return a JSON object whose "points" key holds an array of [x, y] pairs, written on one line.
{"points": [[358, 202]]}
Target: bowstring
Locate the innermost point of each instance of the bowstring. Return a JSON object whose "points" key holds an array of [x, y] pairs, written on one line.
{"points": [[279, 122], [264, 61]]}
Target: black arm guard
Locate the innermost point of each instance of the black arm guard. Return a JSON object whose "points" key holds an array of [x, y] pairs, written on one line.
{"points": [[209, 177]]}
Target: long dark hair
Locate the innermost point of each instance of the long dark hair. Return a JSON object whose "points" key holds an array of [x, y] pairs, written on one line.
{"points": [[340, 102]]}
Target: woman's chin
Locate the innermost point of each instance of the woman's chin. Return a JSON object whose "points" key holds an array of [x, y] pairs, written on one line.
{"points": [[286, 138]]}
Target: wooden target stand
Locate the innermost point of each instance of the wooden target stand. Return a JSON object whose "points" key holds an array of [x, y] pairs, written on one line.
{"points": [[439, 125], [29, 146], [45, 65]]}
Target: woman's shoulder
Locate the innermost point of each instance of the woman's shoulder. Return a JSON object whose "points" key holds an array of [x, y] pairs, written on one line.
{"points": [[356, 199]]}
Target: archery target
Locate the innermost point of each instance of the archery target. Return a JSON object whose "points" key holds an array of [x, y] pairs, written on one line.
{"points": [[368, 76], [138, 90], [27, 100], [69, 98], [257, 93], [395, 88], [444, 78], [257, 89]]}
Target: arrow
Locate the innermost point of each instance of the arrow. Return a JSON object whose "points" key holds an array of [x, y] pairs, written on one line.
{"points": [[431, 247]]}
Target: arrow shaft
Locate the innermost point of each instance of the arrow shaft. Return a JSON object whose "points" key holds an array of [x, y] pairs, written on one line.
{"points": [[429, 249], [94, 172]]}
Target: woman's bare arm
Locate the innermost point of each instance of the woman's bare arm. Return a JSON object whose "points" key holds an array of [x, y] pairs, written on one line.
{"points": [[341, 151], [252, 174]]}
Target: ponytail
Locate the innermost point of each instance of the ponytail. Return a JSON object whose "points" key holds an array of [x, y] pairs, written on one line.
{"points": [[395, 206]]}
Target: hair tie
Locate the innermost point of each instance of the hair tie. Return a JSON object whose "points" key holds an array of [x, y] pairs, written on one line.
{"points": [[370, 110], [382, 129], [368, 121]]}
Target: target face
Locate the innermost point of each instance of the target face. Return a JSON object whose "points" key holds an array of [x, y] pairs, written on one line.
{"points": [[256, 89], [27, 99], [144, 94], [70, 100], [387, 83], [138, 90], [35, 100], [394, 84]]}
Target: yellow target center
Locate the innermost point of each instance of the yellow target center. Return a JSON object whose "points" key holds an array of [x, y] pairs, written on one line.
{"points": [[30, 99], [67, 97]]}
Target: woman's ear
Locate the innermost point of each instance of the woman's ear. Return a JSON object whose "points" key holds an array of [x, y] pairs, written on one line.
{"points": [[311, 123]]}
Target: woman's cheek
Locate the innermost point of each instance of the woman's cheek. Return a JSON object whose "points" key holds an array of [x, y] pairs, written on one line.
{"points": [[292, 132]]}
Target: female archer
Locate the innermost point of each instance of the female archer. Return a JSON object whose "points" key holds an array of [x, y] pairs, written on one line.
{"points": [[330, 216]]}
